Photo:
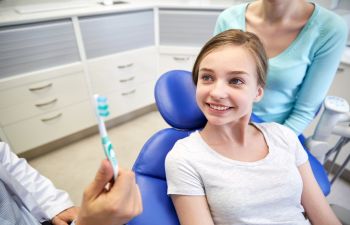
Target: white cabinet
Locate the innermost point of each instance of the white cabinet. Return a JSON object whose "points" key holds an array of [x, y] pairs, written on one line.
{"points": [[181, 27], [121, 58], [182, 32], [127, 79], [36, 46], [176, 58], [117, 32], [43, 106]]}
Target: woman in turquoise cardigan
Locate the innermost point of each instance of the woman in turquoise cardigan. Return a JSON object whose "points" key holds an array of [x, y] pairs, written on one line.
{"points": [[304, 43]]}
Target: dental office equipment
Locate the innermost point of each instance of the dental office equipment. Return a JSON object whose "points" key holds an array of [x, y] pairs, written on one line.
{"points": [[336, 113], [101, 109]]}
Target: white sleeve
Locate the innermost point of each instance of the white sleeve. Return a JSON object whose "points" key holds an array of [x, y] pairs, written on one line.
{"points": [[182, 178], [295, 147], [51, 200]]}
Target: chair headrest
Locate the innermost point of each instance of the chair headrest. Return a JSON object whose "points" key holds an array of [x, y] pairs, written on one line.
{"points": [[175, 98]]}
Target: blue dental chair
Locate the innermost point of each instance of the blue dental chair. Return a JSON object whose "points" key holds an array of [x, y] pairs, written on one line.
{"points": [[175, 99]]}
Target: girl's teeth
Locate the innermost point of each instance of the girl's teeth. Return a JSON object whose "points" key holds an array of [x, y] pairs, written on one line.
{"points": [[221, 108]]}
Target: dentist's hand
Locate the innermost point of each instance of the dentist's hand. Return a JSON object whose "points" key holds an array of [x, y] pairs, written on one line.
{"points": [[115, 205], [65, 217]]}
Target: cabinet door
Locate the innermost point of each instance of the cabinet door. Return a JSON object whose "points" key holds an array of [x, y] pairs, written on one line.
{"points": [[114, 72], [42, 97], [42, 129], [175, 62], [113, 33], [31, 47], [186, 27], [131, 98]]}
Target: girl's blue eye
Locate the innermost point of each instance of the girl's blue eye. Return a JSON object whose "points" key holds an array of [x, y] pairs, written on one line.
{"points": [[206, 77], [236, 81]]}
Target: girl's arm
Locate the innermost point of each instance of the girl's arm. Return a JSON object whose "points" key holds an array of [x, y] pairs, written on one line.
{"points": [[192, 210], [315, 204]]}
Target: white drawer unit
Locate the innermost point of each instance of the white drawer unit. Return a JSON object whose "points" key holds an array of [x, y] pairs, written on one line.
{"points": [[113, 33], [130, 98], [45, 96], [35, 108], [121, 70], [181, 27], [177, 58], [175, 62], [48, 127], [36, 46]]}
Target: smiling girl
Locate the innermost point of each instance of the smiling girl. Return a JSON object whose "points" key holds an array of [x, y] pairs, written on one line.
{"points": [[234, 171]]}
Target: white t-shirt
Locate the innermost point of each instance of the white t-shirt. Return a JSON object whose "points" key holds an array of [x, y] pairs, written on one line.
{"points": [[267, 191]]}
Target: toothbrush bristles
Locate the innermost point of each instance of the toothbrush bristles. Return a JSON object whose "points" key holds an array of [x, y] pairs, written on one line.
{"points": [[102, 106]]}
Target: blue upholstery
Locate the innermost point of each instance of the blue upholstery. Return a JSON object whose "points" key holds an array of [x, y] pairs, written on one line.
{"points": [[175, 99]]}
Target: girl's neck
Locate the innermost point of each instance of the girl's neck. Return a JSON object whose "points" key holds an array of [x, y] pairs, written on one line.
{"points": [[275, 11], [237, 134]]}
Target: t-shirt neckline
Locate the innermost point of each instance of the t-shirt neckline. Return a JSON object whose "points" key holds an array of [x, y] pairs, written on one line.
{"points": [[237, 162]]}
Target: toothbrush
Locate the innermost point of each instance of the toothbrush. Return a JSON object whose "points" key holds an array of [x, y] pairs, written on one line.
{"points": [[101, 106]]}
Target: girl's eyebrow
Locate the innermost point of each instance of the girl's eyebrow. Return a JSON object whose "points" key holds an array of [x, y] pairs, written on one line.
{"points": [[235, 72], [206, 70]]}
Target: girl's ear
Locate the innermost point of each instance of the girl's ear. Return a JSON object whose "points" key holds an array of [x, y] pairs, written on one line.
{"points": [[259, 94]]}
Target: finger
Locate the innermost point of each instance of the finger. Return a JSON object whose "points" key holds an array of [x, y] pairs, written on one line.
{"points": [[58, 221], [103, 176], [124, 182], [139, 200]]}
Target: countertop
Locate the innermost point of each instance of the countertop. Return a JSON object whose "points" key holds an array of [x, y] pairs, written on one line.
{"points": [[10, 15]]}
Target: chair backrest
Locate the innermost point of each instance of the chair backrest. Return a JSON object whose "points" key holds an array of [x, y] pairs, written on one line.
{"points": [[175, 98]]}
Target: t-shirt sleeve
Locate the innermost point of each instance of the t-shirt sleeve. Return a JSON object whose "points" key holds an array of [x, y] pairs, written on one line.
{"points": [[295, 147], [182, 178]]}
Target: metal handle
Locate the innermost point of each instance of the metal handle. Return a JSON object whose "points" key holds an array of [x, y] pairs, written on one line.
{"points": [[51, 118], [129, 92], [176, 58], [125, 66], [46, 103], [127, 80], [41, 87]]}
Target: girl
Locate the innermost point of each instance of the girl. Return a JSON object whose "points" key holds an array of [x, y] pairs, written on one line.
{"points": [[233, 171]]}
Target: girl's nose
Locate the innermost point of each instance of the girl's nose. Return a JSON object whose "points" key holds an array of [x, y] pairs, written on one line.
{"points": [[219, 90]]}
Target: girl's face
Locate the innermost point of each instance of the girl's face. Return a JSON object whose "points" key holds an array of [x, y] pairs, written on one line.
{"points": [[227, 85]]}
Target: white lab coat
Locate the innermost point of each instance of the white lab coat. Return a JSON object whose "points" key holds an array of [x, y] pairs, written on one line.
{"points": [[34, 191]]}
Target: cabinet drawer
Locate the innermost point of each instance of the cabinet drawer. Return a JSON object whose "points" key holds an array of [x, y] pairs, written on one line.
{"points": [[112, 33], [36, 46], [186, 27], [175, 62], [33, 86], [40, 130], [36, 99], [130, 99], [122, 70]]}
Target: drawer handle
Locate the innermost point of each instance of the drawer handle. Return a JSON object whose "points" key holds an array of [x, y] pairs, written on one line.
{"points": [[52, 118], [46, 103], [181, 58], [129, 92], [127, 80], [125, 66], [41, 87], [340, 69]]}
